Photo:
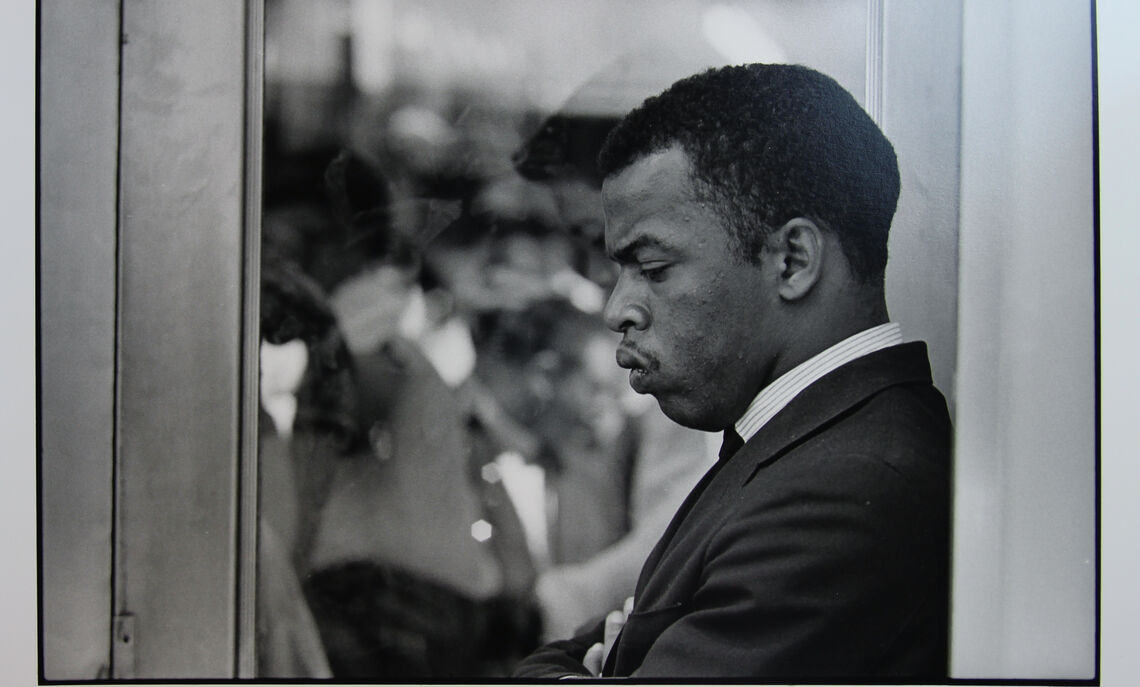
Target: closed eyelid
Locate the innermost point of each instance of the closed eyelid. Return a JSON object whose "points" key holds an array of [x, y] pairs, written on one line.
{"points": [[653, 264], [634, 251]]}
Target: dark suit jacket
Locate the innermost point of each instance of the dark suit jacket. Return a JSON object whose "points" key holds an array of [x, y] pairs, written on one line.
{"points": [[820, 550]]}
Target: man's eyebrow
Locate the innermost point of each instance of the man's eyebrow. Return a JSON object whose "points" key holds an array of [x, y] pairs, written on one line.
{"points": [[628, 253]]}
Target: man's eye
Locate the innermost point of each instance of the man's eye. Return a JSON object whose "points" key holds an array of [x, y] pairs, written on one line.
{"points": [[654, 272]]}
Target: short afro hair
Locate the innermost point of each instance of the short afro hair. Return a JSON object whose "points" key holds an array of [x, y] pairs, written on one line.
{"points": [[768, 143]]}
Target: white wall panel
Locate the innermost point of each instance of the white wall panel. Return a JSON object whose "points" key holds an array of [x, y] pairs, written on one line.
{"points": [[1025, 555], [1118, 101], [921, 103]]}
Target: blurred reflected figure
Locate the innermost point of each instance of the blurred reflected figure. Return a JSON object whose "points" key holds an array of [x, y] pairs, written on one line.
{"points": [[404, 576], [408, 502], [307, 423], [536, 362]]}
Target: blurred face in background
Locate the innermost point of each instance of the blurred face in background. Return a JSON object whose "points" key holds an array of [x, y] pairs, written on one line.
{"points": [[580, 209], [370, 306]]}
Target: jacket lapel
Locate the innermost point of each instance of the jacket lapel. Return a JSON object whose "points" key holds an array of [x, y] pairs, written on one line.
{"points": [[832, 397], [663, 543]]}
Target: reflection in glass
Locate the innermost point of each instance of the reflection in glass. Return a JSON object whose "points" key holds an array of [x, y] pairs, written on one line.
{"points": [[453, 469]]}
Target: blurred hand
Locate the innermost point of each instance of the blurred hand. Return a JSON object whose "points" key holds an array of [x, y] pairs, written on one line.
{"points": [[597, 654], [594, 660]]}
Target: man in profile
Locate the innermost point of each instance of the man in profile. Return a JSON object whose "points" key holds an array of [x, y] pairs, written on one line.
{"points": [[748, 210]]}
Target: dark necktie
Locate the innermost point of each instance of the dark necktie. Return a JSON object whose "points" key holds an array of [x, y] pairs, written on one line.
{"points": [[731, 444]]}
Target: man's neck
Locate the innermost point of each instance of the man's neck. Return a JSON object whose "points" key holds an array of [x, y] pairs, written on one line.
{"points": [[817, 335]]}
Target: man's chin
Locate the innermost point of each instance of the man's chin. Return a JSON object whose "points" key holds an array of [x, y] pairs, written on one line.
{"points": [[685, 414], [639, 381]]}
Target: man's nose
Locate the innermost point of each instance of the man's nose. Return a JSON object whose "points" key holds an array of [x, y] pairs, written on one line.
{"points": [[623, 311]]}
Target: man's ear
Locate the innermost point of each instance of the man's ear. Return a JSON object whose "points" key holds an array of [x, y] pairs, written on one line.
{"points": [[799, 247]]}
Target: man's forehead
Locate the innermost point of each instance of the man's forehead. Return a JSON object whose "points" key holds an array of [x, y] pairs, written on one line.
{"points": [[667, 170], [652, 184]]}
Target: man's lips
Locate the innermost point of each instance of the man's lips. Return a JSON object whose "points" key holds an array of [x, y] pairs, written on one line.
{"points": [[630, 359], [639, 365]]}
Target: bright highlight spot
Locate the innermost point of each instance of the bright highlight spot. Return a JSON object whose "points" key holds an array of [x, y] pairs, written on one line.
{"points": [[490, 473], [481, 530]]}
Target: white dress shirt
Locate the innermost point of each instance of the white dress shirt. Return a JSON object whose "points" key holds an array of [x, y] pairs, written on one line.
{"points": [[787, 386]]}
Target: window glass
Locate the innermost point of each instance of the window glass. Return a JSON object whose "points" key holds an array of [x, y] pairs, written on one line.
{"points": [[452, 467]]}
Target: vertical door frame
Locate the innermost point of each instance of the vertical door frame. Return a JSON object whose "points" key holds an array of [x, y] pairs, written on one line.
{"points": [[248, 496], [76, 241], [185, 486]]}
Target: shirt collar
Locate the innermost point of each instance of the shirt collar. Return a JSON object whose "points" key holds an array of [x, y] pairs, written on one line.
{"points": [[787, 386]]}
